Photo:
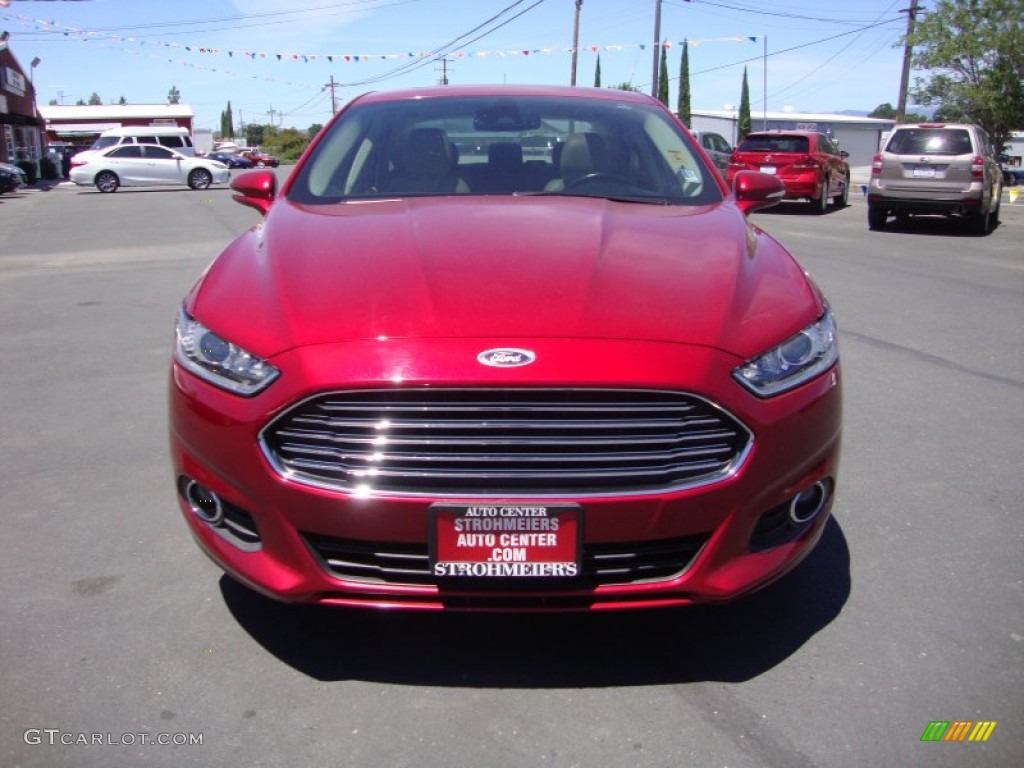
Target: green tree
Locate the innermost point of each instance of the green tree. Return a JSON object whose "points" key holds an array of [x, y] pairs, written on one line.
{"points": [[255, 134], [286, 144], [122, 101], [887, 111], [973, 54], [663, 76], [314, 129], [597, 72], [227, 123], [743, 125], [625, 87], [95, 99], [683, 102], [174, 95]]}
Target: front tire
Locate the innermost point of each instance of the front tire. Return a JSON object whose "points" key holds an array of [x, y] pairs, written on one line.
{"points": [[877, 217], [200, 178], [107, 181]]}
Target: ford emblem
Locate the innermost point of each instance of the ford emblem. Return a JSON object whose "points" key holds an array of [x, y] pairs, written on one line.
{"points": [[506, 358]]}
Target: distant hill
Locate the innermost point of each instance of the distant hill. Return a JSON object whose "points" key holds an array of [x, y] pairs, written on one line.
{"points": [[929, 111]]}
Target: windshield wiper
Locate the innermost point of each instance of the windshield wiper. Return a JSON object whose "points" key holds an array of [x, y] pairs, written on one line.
{"points": [[644, 199]]}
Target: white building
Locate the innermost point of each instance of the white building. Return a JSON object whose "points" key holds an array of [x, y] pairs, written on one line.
{"points": [[860, 136], [80, 125]]}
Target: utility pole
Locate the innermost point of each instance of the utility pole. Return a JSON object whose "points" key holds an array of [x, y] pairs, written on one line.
{"points": [[444, 70], [575, 41], [657, 47], [273, 112], [901, 110], [330, 87]]}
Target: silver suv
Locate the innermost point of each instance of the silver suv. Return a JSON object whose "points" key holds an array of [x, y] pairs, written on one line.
{"points": [[933, 168]]}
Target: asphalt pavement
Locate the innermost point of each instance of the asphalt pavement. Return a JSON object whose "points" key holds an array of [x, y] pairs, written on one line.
{"points": [[122, 645]]}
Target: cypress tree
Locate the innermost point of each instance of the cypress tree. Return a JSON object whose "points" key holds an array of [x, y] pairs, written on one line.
{"points": [[744, 126], [683, 105], [663, 77]]}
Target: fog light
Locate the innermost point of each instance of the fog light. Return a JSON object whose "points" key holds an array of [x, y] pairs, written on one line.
{"points": [[807, 504], [204, 503]]}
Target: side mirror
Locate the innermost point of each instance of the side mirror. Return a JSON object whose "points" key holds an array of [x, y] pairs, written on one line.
{"points": [[754, 190], [255, 189]]}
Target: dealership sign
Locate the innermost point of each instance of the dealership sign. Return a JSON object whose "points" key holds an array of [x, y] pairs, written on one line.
{"points": [[505, 540]]}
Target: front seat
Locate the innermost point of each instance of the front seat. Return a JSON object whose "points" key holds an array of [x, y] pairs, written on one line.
{"points": [[581, 154], [427, 165]]}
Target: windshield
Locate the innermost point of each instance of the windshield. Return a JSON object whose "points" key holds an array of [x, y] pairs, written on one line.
{"points": [[104, 141], [474, 145]]}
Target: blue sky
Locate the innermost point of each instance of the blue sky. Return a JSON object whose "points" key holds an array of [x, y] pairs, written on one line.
{"points": [[272, 58]]}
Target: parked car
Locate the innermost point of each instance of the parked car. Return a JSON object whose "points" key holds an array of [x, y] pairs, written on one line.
{"points": [[12, 177], [9, 180], [592, 386], [231, 160], [261, 159], [134, 165], [810, 164], [717, 147], [936, 168], [1013, 177]]}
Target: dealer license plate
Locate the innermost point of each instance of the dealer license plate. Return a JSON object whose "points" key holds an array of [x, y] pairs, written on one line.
{"points": [[505, 540], [769, 169]]}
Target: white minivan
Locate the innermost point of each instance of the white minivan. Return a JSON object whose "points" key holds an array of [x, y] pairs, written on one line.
{"points": [[173, 137]]}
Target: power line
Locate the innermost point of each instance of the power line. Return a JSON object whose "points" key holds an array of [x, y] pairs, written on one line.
{"points": [[428, 58]]}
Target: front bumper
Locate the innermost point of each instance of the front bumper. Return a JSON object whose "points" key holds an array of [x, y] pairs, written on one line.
{"points": [[296, 542]]}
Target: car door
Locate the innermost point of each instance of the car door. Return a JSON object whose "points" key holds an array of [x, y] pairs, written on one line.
{"points": [[828, 155], [163, 166], [127, 162]]}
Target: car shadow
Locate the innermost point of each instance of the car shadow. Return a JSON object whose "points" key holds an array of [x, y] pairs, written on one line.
{"points": [[726, 643], [798, 208], [932, 226]]}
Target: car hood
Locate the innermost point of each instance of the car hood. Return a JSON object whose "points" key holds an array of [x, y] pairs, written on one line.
{"points": [[508, 268]]}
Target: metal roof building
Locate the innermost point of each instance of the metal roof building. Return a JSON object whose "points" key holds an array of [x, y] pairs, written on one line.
{"points": [[860, 136], [79, 125]]}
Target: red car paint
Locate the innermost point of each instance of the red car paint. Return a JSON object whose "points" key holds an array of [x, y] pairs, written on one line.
{"points": [[586, 294]]}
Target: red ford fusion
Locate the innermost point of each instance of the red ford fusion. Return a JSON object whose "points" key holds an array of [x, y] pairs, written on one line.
{"points": [[447, 372]]}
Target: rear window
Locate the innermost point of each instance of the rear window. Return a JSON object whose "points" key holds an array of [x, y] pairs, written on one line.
{"points": [[930, 141], [174, 142], [755, 143]]}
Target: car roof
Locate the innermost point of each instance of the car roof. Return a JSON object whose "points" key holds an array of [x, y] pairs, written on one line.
{"points": [[961, 126], [456, 91], [781, 132]]}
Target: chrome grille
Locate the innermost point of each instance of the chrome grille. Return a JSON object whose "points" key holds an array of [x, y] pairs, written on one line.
{"points": [[471, 442], [602, 564]]}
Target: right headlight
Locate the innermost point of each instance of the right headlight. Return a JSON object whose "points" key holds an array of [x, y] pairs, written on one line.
{"points": [[218, 361], [796, 360]]}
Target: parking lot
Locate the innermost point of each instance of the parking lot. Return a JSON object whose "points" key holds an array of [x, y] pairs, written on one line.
{"points": [[118, 635]]}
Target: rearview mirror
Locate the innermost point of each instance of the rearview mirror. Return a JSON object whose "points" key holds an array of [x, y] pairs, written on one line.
{"points": [[255, 189], [755, 191]]}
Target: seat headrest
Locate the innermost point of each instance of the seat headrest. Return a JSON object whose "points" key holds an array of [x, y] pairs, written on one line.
{"points": [[427, 152], [505, 156], [583, 153]]}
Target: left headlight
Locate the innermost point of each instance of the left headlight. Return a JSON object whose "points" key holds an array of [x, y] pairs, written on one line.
{"points": [[796, 360], [218, 361]]}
